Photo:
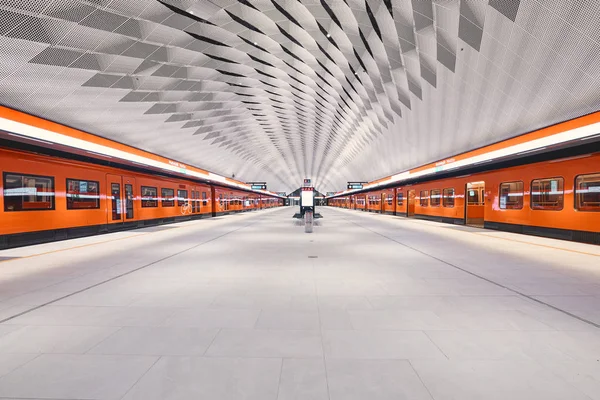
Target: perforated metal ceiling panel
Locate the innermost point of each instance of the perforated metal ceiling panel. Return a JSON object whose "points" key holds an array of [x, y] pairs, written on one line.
{"points": [[279, 90]]}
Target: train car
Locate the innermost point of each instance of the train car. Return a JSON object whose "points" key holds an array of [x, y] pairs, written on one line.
{"points": [[559, 198], [228, 201], [46, 198], [360, 201]]}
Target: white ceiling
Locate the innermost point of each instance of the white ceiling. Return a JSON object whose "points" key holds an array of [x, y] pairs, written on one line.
{"points": [[280, 90]]}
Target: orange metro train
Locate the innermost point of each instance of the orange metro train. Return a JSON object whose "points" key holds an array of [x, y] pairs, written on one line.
{"points": [[557, 196]]}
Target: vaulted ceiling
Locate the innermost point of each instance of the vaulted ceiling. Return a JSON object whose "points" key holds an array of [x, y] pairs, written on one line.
{"points": [[280, 90]]}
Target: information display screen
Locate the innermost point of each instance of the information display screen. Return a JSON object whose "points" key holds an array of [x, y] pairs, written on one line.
{"points": [[307, 197]]}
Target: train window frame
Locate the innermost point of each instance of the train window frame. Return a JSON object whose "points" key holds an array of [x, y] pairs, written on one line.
{"points": [[153, 201], [438, 198], [424, 198], [400, 199], [165, 200], [576, 192], [445, 196], [52, 193], [182, 200], [540, 208], [500, 196], [69, 195]]}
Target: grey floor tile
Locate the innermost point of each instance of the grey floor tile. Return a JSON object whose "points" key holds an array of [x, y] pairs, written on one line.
{"points": [[379, 345], [303, 379], [94, 316], [344, 303], [266, 343], [411, 303], [288, 320], [335, 319], [100, 296], [214, 318], [6, 329], [252, 301], [75, 377], [10, 362], [374, 379], [397, 320], [584, 375], [493, 380], [157, 341], [37, 297], [503, 320], [54, 339], [184, 378], [498, 345]]}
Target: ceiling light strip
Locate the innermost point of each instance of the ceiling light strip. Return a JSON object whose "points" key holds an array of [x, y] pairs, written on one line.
{"points": [[40, 134]]}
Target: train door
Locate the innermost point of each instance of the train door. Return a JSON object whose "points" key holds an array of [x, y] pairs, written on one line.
{"points": [[410, 203], [128, 197], [113, 184], [475, 203], [120, 198], [213, 201], [383, 202]]}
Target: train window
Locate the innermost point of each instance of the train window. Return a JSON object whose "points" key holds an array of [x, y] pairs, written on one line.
{"points": [[436, 197], [424, 198], [28, 192], [167, 197], [129, 201], [472, 197], [204, 199], [390, 200], [400, 198], [511, 195], [182, 197], [82, 194], [547, 194], [448, 197], [149, 196], [115, 200], [587, 192]]}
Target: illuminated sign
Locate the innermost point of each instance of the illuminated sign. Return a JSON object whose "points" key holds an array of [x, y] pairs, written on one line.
{"points": [[355, 185], [306, 182], [257, 185]]}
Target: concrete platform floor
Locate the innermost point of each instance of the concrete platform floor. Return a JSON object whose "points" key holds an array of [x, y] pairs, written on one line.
{"points": [[248, 306]]}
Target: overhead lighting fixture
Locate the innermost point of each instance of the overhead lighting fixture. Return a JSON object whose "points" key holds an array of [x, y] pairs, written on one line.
{"points": [[531, 151], [256, 44], [191, 12], [591, 137], [329, 35]]}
